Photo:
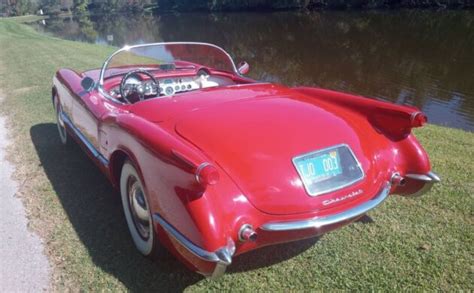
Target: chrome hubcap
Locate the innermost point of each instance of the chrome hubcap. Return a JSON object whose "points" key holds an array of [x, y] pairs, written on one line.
{"points": [[139, 208]]}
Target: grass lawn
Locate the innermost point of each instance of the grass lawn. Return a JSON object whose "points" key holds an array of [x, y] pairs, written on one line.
{"points": [[409, 244]]}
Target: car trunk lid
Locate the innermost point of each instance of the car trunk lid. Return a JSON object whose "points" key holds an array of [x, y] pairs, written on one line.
{"points": [[255, 141]]}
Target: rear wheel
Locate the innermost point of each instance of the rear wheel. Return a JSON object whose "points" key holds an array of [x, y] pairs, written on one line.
{"points": [[63, 136], [137, 210]]}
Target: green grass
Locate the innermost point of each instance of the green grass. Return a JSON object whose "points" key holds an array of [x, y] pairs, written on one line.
{"points": [[411, 244]]}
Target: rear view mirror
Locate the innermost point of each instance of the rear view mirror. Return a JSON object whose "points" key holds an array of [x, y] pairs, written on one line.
{"points": [[87, 84], [244, 68]]}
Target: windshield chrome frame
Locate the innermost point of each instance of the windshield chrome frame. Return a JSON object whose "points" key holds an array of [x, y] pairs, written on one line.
{"points": [[100, 85]]}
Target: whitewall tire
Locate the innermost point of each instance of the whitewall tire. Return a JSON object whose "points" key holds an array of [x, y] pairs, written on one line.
{"points": [[137, 210]]}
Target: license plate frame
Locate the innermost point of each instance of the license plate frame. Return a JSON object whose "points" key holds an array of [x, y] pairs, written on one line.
{"points": [[338, 173]]}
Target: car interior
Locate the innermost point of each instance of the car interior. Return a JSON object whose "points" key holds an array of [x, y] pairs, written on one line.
{"points": [[141, 84]]}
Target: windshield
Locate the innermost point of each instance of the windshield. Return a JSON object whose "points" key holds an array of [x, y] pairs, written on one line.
{"points": [[167, 56]]}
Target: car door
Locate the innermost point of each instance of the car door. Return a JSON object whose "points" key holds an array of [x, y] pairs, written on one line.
{"points": [[87, 110]]}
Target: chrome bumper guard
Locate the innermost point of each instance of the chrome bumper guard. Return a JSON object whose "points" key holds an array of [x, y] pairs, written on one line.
{"points": [[222, 257], [429, 179], [320, 222]]}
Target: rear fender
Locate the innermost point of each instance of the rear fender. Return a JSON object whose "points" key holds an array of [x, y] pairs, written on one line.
{"points": [[404, 154], [169, 167], [160, 142], [394, 121]]}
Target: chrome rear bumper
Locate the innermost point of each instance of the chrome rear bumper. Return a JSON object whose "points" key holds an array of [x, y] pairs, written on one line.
{"points": [[222, 257], [320, 222]]}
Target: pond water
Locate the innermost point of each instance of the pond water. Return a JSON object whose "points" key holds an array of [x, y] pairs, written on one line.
{"points": [[421, 58]]}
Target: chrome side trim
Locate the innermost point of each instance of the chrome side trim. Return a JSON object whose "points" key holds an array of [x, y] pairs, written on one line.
{"points": [[90, 147], [222, 257], [429, 178], [320, 222]]}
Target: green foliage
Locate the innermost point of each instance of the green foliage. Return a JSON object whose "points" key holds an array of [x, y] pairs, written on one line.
{"points": [[21, 7], [221, 5], [17, 7], [108, 6], [50, 6], [80, 6]]}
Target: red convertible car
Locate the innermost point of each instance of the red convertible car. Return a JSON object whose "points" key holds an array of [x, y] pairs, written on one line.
{"points": [[211, 164]]}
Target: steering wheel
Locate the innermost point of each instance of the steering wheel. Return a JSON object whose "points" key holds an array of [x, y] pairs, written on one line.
{"points": [[132, 84]]}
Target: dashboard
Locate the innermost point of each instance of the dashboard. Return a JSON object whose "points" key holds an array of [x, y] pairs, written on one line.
{"points": [[171, 86]]}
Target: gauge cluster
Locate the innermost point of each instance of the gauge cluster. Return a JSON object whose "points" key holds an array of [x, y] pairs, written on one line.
{"points": [[170, 86]]}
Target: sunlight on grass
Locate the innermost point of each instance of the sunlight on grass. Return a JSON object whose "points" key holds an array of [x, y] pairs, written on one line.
{"points": [[412, 244]]}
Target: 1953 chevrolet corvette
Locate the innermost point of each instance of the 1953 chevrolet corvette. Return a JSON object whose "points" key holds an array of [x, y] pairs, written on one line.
{"points": [[211, 164]]}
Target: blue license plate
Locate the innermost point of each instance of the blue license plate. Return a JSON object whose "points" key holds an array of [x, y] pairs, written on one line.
{"points": [[319, 167], [328, 169]]}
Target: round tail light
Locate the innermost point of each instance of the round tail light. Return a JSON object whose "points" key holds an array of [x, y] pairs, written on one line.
{"points": [[207, 174], [418, 119]]}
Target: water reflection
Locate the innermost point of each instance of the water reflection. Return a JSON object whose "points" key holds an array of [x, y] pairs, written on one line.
{"points": [[422, 58]]}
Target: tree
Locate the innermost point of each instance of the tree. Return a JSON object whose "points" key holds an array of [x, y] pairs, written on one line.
{"points": [[80, 6], [50, 6]]}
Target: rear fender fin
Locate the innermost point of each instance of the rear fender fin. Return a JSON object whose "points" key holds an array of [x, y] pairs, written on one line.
{"points": [[394, 121]]}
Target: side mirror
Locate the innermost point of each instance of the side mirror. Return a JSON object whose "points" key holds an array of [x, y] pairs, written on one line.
{"points": [[243, 68], [87, 84]]}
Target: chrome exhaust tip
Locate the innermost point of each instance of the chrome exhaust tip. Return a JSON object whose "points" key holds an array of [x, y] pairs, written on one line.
{"points": [[247, 233], [398, 180]]}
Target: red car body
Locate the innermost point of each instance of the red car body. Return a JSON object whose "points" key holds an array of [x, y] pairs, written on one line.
{"points": [[217, 163]]}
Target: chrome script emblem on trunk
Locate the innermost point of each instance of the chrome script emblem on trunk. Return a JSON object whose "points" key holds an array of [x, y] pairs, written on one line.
{"points": [[342, 198]]}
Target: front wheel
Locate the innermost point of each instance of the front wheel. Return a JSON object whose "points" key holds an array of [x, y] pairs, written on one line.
{"points": [[137, 210]]}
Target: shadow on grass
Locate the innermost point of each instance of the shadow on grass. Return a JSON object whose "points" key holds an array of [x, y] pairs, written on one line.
{"points": [[94, 209]]}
